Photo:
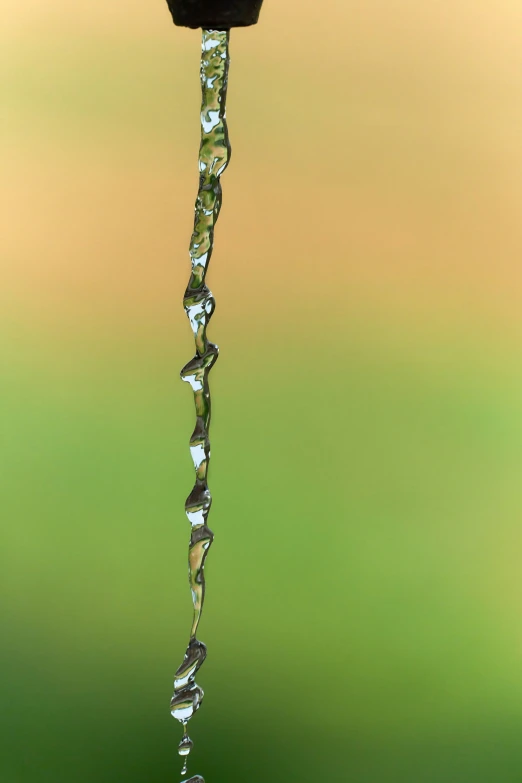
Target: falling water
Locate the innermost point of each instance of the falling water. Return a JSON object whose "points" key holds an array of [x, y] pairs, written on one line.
{"points": [[198, 302]]}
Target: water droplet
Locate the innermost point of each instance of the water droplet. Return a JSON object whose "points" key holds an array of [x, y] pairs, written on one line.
{"points": [[184, 704], [193, 660], [184, 748]]}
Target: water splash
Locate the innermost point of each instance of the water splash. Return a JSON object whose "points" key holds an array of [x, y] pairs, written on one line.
{"points": [[199, 304]]}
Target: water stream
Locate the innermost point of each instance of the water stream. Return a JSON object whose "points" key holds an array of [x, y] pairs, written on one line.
{"points": [[198, 302]]}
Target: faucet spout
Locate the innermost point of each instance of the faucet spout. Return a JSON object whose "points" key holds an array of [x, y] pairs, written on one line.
{"points": [[215, 14]]}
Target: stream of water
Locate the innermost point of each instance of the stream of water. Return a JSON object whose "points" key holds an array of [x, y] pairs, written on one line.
{"points": [[198, 302]]}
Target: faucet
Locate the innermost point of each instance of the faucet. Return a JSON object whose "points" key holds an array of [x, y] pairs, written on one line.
{"points": [[215, 14]]}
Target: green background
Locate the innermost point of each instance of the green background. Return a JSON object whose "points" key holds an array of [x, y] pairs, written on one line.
{"points": [[363, 607]]}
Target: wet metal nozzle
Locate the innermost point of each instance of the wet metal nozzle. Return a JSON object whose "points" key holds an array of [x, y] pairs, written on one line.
{"points": [[215, 14]]}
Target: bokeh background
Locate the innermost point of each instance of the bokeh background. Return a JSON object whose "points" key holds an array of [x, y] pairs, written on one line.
{"points": [[363, 614]]}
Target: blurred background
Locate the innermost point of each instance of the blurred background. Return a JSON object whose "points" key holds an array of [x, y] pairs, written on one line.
{"points": [[363, 612]]}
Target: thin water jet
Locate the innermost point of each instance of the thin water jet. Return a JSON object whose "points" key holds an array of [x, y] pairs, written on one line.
{"points": [[215, 17], [199, 305]]}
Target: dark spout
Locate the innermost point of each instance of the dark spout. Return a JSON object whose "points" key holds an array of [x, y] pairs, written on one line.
{"points": [[215, 14]]}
